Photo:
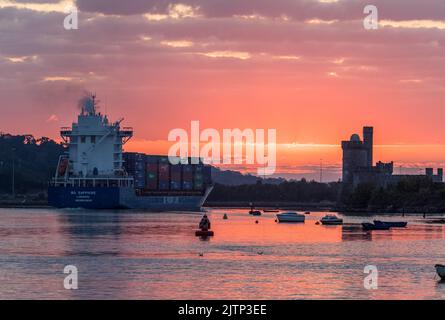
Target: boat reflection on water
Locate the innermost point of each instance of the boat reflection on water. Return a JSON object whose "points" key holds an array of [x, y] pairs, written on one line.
{"points": [[91, 224], [86, 228], [354, 232]]}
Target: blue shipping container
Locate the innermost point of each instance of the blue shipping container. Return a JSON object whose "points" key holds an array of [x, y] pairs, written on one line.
{"points": [[175, 185], [164, 185], [187, 185]]}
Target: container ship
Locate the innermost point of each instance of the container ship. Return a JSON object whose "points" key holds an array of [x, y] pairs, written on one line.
{"points": [[95, 173]]}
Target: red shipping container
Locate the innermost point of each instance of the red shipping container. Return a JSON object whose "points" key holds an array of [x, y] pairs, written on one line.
{"points": [[164, 172]]}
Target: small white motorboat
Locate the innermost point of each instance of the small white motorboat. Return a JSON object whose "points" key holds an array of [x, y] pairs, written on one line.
{"points": [[290, 217], [331, 219], [440, 269]]}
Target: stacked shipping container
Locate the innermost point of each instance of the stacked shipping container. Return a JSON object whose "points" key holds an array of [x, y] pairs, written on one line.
{"points": [[175, 177], [151, 173], [155, 173], [135, 166], [198, 179], [164, 173], [187, 177]]}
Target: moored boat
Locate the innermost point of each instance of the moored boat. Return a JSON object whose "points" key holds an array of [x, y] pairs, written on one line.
{"points": [[204, 233], [372, 226], [331, 219], [290, 217], [255, 212], [204, 228], [392, 224], [440, 269]]}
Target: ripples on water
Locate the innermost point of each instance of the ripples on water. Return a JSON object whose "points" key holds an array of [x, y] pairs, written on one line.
{"points": [[135, 255]]}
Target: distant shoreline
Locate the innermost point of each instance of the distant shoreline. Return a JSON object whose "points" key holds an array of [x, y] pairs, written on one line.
{"points": [[271, 205], [323, 207], [19, 204], [298, 206]]}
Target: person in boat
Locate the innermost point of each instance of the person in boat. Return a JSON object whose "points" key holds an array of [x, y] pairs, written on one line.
{"points": [[204, 224]]}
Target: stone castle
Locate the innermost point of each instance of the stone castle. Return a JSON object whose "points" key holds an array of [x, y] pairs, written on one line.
{"points": [[358, 165]]}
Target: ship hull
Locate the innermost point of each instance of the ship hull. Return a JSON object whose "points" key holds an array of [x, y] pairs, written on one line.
{"points": [[121, 198]]}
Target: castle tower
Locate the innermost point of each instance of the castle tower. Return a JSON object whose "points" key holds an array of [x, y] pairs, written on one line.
{"points": [[368, 143], [355, 155]]}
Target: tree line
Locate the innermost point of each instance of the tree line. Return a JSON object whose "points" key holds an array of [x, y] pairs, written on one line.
{"points": [[410, 193], [287, 191], [35, 162]]}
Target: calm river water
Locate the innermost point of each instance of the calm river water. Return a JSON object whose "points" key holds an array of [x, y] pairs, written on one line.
{"points": [[136, 255]]}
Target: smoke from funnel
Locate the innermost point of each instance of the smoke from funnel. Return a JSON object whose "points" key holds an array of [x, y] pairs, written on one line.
{"points": [[87, 104]]}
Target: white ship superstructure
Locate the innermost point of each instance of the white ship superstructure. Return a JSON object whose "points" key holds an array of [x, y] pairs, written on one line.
{"points": [[95, 144], [94, 173]]}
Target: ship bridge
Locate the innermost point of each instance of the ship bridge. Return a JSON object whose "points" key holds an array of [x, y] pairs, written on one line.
{"points": [[94, 144]]}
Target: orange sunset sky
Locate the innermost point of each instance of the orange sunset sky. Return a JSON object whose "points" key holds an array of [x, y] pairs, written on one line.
{"points": [[306, 68]]}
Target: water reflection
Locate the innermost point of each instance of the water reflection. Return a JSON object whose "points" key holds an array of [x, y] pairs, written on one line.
{"points": [[354, 232], [129, 254], [90, 224]]}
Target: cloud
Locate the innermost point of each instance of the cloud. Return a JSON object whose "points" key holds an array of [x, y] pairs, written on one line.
{"points": [[58, 78], [38, 5], [233, 63], [52, 118], [175, 12], [318, 21], [414, 24], [297, 10], [227, 54], [178, 43], [21, 59], [287, 57]]}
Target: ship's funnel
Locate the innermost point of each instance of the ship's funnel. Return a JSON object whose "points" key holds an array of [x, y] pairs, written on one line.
{"points": [[87, 104]]}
